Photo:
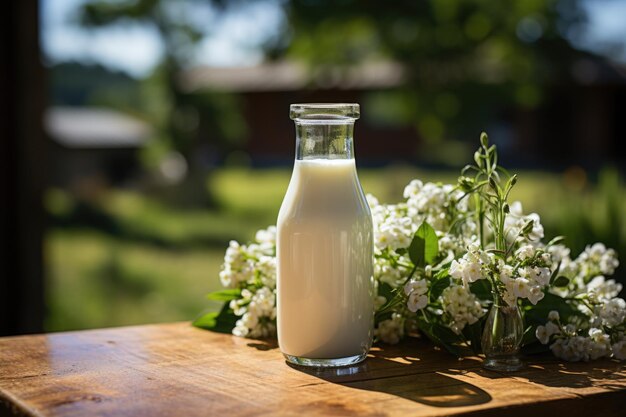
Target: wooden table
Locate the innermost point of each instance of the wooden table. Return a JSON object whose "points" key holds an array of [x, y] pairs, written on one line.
{"points": [[177, 370]]}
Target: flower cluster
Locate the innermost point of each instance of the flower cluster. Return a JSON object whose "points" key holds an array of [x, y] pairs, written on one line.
{"points": [[573, 343], [446, 253], [391, 330], [252, 269], [461, 306], [257, 311], [516, 221], [433, 203], [416, 291]]}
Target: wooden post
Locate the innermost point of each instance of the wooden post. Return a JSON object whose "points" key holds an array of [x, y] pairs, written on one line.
{"points": [[22, 170]]}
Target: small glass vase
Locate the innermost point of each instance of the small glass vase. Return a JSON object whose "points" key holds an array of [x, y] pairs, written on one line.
{"points": [[502, 337]]}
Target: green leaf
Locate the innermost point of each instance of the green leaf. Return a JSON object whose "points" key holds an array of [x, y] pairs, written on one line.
{"points": [[482, 289], [529, 335], [475, 334], [424, 247], [437, 288], [385, 290], [556, 240], [555, 273], [538, 314], [224, 295], [534, 348], [221, 322], [379, 317], [447, 338], [477, 159], [561, 282], [443, 273], [440, 335]]}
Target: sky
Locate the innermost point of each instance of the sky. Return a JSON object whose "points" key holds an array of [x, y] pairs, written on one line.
{"points": [[235, 39]]}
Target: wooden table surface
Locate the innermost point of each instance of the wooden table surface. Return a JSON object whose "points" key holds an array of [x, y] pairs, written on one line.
{"points": [[177, 370]]}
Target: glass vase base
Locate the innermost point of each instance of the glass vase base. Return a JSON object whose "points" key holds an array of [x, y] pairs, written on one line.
{"points": [[508, 364], [325, 363]]}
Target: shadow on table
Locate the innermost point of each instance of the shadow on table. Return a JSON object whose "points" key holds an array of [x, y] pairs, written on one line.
{"points": [[263, 344], [427, 375], [544, 370], [409, 377]]}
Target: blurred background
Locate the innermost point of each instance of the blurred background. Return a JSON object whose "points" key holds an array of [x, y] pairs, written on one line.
{"points": [[140, 136]]}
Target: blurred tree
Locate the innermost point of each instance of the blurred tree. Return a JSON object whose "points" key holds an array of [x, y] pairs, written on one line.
{"points": [[184, 120], [465, 58]]}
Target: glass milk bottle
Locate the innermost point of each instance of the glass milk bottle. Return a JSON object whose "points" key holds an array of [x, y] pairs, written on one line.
{"points": [[325, 245]]}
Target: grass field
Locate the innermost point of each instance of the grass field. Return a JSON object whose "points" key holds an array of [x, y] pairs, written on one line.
{"points": [[139, 260]]}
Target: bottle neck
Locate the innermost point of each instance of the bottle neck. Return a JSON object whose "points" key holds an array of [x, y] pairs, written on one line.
{"points": [[324, 139]]}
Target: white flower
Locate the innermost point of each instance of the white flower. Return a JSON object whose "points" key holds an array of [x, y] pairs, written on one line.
{"points": [[371, 200], [385, 271], [525, 252], [257, 310], [535, 294], [392, 330], [552, 328], [432, 202], [559, 253], [506, 272], [462, 307], [597, 260], [237, 268], [553, 315], [542, 275], [456, 270], [619, 350], [413, 189], [417, 302], [542, 335], [515, 222], [572, 349], [472, 272], [379, 301], [521, 288], [416, 286], [612, 312], [392, 227], [599, 344], [267, 235], [536, 233], [415, 290], [604, 289], [536, 275], [468, 268]]}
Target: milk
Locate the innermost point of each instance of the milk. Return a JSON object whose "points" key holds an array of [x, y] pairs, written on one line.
{"points": [[325, 262]]}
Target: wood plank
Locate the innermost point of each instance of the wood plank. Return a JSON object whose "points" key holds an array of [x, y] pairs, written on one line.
{"points": [[175, 369]]}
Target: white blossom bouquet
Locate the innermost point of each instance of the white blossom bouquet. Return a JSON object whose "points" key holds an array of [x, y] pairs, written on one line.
{"points": [[443, 256]]}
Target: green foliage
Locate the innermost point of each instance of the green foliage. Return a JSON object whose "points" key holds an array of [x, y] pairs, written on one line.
{"points": [[537, 314], [222, 321], [424, 246], [465, 59], [473, 333], [437, 288], [441, 335], [561, 282], [224, 295]]}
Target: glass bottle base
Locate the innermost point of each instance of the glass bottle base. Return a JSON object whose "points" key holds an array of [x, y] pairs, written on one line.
{"points": [[325, 363], [507, 364]]}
